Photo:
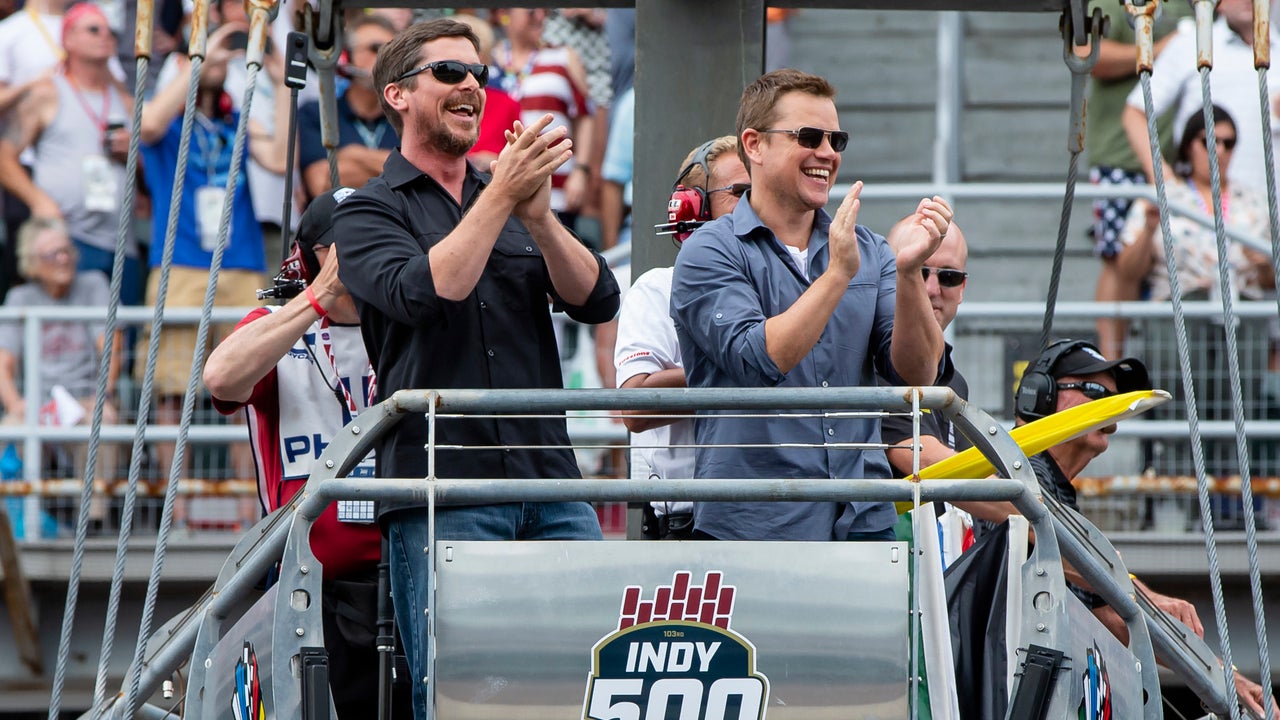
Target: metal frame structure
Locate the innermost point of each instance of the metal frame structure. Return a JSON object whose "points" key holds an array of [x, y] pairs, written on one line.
{"points": [[1060, 533], [714, 39]]}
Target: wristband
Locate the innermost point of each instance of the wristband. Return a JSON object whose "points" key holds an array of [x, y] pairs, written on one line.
{"points": [[315, 304]]}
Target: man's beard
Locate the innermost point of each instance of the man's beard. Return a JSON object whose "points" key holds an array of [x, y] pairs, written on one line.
{"points": [[446, 141]]}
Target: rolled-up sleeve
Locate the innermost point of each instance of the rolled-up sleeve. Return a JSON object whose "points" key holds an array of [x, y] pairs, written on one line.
{"points": [[601, 305], [714, 303], [382, 263]]}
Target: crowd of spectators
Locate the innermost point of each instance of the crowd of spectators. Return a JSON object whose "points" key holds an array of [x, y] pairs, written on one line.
{"points": [[66, 98]]}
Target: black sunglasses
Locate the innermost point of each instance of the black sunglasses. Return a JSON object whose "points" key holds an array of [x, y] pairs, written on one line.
{"points": [[1091, 390], [1227, 143], [811, 137], [738, 189], [451, 72], [946, 277]]}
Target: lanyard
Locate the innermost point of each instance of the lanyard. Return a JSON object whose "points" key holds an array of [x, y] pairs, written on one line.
{"points": [[99, 120], [44, 32], [211, 145], [372, 139], [326, 343], [514, 77], [1226, 202]]}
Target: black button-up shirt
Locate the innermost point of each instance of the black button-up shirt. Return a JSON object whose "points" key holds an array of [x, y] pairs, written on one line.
{"points": [[499, 336]]}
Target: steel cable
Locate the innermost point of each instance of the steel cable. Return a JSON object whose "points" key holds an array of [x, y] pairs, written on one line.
{"points": [[95, 432], [1188, 389], [193, 386]]}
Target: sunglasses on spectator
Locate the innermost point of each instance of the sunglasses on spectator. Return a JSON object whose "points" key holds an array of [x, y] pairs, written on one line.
{"points": [[811, 137], [1226, 143], [946, 277], [1091, 390], [451, 72], [737, 189], [55, 255]]}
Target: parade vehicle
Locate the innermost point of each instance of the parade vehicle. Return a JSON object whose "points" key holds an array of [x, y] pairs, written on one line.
{"points": [[618, 630]]}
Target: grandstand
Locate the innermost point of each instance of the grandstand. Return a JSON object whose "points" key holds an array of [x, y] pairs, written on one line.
{"points": [[971, 104]]}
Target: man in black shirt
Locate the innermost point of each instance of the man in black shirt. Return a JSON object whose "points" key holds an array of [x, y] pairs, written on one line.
{"points": [[451, 272]]}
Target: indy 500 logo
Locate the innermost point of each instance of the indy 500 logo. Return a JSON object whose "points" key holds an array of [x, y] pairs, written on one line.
{"points": [[674, 656]]}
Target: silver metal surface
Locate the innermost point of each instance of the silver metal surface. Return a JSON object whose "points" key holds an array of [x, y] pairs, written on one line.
{"points": [[1118, 675], [516, 623], [255, 626]]}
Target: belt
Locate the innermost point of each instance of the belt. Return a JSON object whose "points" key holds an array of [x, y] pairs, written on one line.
{"points": [[675, 526]]}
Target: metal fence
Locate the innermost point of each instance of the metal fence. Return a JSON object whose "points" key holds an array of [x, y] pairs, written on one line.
{"points": [[1143, 483]]}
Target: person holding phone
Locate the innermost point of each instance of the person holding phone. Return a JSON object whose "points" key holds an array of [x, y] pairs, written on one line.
{"points": [[76, 123], [204, 191]]}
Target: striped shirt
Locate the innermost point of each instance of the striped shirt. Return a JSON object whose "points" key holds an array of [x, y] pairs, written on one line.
{"points": [[544, 85]]}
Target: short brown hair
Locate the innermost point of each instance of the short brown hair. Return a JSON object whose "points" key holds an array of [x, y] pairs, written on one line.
{"points": [[757, 109], [401, 55]]}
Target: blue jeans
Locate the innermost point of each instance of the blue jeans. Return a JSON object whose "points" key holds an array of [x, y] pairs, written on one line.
{"points": [[407, 537], [95, 258]]}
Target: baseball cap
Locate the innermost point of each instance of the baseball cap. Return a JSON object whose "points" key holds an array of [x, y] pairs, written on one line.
{"points": [[315, 227], [1085, 359]]}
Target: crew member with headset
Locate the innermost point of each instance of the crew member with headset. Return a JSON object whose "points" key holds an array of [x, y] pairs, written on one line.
{"points": [[300, 373], [647, 353]]}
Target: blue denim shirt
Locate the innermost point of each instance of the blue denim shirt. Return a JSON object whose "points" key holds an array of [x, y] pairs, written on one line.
{"points": [[731, 276]]}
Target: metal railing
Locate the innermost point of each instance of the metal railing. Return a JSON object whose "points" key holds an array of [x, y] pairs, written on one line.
{"points": [[981, 331], [195, 635]]}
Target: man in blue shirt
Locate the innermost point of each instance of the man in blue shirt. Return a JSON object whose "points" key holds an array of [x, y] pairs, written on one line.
{"points": [[781, 294]]}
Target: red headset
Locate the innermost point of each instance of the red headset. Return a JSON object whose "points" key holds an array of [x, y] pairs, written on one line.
{"points": [[689, 207]]}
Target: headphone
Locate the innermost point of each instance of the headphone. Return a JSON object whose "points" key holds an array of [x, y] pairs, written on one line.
{"points": [[1038, 391], [689, 207]]}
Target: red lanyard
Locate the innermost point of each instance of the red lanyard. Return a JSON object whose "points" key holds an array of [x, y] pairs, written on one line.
{"points": [[326, 343], [99, 120]]}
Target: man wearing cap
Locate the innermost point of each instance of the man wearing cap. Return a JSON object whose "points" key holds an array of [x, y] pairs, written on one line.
{"points": [[1070, 373], [300, 372]]}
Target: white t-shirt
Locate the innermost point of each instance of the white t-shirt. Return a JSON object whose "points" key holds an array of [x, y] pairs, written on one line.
{"points": [[647, 343], [1175, 83]]}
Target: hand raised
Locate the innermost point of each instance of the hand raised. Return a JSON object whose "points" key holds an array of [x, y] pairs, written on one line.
{"points": [[918, 235], [326, 285], [529, 159], [843, 240]]}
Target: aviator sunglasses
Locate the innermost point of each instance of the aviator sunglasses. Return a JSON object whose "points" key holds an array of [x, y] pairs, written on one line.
{"points": [[811, 137], [451, 72], [946, 277], [1091, 390]]}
